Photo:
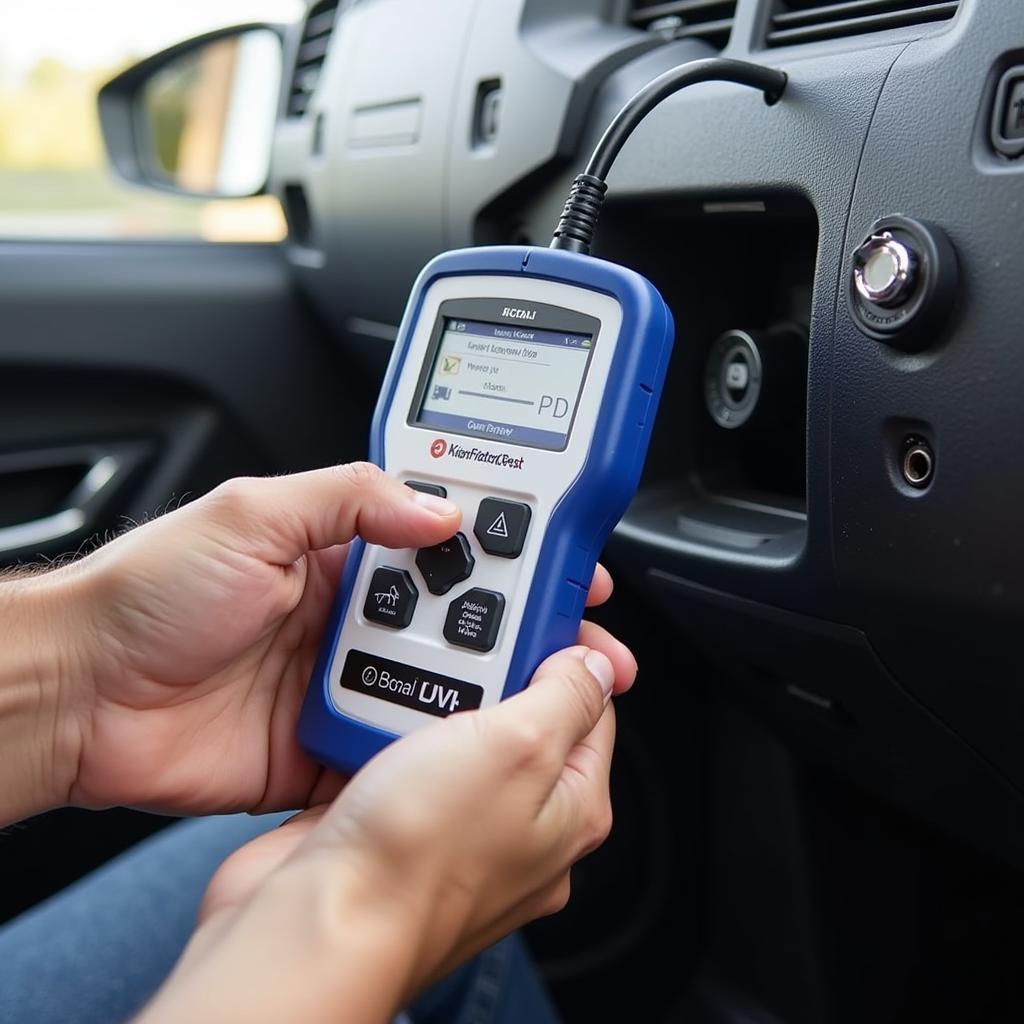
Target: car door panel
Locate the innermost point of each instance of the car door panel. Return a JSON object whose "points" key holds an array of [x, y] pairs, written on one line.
{"points": [[184, 364], [199, 361]]}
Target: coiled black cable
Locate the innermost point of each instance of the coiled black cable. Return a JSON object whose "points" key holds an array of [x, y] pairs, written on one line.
{"points": [[578, 221]]}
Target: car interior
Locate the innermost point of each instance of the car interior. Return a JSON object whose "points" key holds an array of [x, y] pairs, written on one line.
{"points": [[819, 776]]}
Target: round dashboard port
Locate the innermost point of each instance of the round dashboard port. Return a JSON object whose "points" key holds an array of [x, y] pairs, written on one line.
{"points": [[918, 463], [732, 379]]}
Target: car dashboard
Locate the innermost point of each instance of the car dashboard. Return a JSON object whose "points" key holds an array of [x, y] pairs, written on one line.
{"points": [[828, 520]]}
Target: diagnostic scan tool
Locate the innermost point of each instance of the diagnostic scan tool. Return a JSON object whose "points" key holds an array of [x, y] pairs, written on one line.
{"points": [[523, 387]]}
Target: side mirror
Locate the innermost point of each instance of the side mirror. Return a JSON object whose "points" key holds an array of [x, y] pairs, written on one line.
{"points": [[198, 118]]}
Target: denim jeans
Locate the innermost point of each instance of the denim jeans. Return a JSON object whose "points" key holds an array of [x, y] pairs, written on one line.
{"points": [[96, 952]]}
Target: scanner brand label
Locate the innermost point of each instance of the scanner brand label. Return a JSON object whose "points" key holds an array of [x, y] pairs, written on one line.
{"points": [[474, 454], [519, 314], [439, 447], [429, 692]]}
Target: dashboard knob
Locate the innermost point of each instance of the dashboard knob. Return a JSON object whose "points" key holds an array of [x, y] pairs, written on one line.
{"points": [[902, 283], [884, 270]]}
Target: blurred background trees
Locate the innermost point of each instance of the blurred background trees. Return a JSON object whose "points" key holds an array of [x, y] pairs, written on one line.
{"points": [[54, 178]]}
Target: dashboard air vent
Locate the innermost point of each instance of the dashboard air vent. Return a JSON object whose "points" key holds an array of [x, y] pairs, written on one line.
{"points": [[316, 35], [809, 21], [710, 20]]}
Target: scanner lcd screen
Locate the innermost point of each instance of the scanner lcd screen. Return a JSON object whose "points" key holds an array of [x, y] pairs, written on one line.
{"points": [[503, 382]]}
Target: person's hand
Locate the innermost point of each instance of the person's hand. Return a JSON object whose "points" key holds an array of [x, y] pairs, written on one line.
{"points": [[194, 637], [446, 841]]}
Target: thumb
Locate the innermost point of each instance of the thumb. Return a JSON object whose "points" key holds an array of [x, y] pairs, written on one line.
{"points": [[282, 518], [566, 698]]}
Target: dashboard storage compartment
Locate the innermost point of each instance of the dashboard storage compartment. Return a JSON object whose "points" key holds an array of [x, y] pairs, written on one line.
{"points": [[728, 459]]}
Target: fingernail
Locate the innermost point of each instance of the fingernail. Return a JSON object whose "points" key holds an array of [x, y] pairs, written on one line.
{"points": [[432, 503], [601, 669]]}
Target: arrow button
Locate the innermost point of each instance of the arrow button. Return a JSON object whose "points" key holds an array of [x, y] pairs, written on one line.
{"points": [[445, 564]]}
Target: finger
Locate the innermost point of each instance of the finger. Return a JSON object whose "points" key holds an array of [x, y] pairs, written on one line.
{"points": [[621, 657], [601, 586], [284, 517], [327, 787], [565, 699], [586, 778], [591, 759], [578, 813], [549, 898]]}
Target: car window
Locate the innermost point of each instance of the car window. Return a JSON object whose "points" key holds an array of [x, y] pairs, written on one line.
{"points": [[55, 181]]}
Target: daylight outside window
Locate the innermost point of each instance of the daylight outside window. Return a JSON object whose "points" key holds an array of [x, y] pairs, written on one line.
{"points": [[55, 181]]}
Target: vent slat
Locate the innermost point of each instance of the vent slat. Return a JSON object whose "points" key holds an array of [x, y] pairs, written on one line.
{"points": [[319, 24], [706, 29], [315, 49], [850, 9], [795, 22], [305, 78], [710, 20], [316, 37], [652, 12]]}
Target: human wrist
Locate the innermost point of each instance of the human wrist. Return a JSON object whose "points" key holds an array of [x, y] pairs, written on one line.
{"points": [[317, 942], [379, 933], [43, 684], [361, 916]]}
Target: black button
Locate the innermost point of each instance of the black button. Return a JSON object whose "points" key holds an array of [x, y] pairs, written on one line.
{"points": [[407, 685], [1013, 113], [419, 485], [1007, 126], [474, 618], [391, 598], [501, 526], [445, 564]]}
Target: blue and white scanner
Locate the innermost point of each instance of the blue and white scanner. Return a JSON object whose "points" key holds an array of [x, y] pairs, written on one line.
{"points": [[523, 387]]}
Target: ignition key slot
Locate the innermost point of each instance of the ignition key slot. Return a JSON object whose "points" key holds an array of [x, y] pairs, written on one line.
{"points": [[732, 379]]}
